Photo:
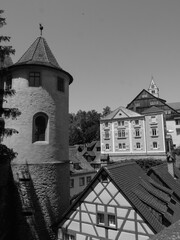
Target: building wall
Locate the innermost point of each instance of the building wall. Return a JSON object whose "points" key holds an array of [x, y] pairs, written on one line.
{"points": [[137, 138], [47, 162], [155, 122], [174, 128], [76, 185]]}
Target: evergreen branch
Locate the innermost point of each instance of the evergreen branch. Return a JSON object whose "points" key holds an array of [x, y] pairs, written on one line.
{"points": [[10, 112], [5, 38], [6, 154], [6, 132]]}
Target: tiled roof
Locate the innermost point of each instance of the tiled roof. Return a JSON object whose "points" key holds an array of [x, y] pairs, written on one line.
{"points": [[175, 105], [132, 182], [128, 113], [141, 197], [76, 157], [39, 53], [170, 233], [166, 178]]}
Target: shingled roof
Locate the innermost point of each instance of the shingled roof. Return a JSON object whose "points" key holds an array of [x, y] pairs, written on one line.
{"points": [[142, 194], [162, 176], [39, 53], [170, 233]]}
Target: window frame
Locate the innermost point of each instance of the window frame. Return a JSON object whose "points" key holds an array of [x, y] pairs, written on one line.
{"points": [[154, 132], [88, 179], [34, 79], [106, 134], [60, 84], [81, 181], [155, 143], [71, 183], [121, 133], [177, 121], [105, 220], [138, 145], [34, 127], [137, 132], [136, 122], [121, 123], [122, 146], [107, 146]]}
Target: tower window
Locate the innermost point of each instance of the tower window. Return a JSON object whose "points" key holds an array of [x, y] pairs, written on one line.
{"points": [[60, 84], [40, 122], [34, 79]]}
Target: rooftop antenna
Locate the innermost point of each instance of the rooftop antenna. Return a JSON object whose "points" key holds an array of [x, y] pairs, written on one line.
{"points": [[41, 28]]}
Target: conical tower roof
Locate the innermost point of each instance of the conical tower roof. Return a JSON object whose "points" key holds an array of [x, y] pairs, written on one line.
{"points": [[39, 53]]}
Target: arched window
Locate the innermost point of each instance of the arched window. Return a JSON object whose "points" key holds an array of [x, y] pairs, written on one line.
{"points": [[40, 123]]}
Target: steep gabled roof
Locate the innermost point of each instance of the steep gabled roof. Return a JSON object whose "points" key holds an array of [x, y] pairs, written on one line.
{"points": [[174, 105], [126, 114], [159, 99], [138, 189]]}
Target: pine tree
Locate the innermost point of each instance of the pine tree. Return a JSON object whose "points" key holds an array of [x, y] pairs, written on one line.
{"points": [[6, 154]]}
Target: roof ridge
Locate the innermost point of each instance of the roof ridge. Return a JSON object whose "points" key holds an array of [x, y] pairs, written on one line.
{"points": [[36, 47]]}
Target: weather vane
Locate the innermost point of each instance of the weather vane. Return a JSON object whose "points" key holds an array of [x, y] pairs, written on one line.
{"points": [[41, 28]]}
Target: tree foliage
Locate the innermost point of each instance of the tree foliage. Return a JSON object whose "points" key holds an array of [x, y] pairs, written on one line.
{"points": [[84, 127], [5, 52]]}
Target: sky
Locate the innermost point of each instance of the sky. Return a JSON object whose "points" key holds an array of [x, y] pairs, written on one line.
{"points": [[112, 48]]}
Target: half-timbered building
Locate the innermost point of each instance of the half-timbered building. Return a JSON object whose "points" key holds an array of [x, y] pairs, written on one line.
{"points": [[121, 203]]}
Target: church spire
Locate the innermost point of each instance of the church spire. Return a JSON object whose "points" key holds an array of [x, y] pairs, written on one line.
{"points": [[153, 89]]}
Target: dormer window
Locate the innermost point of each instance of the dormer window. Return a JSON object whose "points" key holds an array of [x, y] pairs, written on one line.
{"points": [[34, 79]]}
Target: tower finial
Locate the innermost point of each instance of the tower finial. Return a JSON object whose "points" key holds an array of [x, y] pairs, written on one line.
{"points": [[41, 28]]}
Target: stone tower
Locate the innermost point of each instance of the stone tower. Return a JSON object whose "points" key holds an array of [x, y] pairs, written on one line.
{"points": [[153, 89], [41, 169]]}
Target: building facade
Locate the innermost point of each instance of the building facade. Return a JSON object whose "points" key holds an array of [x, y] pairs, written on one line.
{"points": [[127, 134], [146, 99], [41, 168]]}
